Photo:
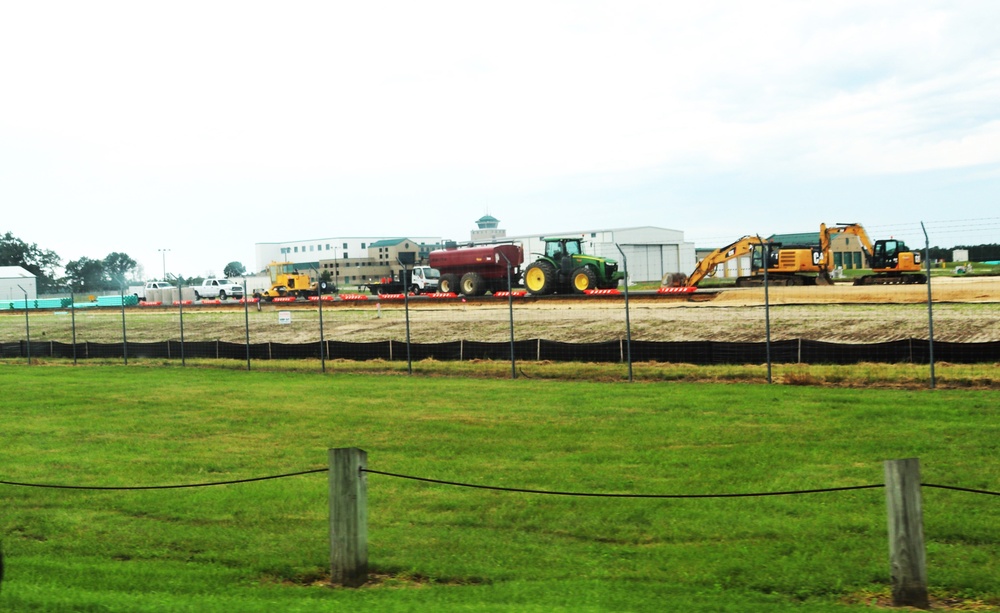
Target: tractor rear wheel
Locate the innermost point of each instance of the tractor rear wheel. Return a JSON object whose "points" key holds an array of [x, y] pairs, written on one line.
{"points": [[584, 278], [471, 284], [540, 278], [448, 284]]}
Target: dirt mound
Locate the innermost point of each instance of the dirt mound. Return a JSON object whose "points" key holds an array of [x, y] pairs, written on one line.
{"points": [[968, 289]]}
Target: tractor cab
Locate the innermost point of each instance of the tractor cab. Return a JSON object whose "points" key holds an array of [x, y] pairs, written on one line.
{"points": [[559, 247]]}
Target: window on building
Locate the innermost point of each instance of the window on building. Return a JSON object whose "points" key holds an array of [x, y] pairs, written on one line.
{"points": [[345, 247], [296, 250], [310, 247], [346, 256]]}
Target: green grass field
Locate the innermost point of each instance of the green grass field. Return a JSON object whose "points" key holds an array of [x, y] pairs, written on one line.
{"points": [[263, 546]]}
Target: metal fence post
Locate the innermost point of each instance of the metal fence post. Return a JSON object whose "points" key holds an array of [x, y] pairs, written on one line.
{"points": [[510, 310], [930, 308], [348, 516], [628, 322], [124, 334], [765, 249], [246, 320], [907, 554]]}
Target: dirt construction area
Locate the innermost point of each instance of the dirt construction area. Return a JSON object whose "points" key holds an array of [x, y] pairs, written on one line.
{"points": [[964, 310]]}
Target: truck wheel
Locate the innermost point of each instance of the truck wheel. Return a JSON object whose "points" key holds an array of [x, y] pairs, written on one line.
{"points": [[197, 296], [415, 289], [584, 278], [540, 278], [471, 284], [222, 294], [448, 284]]}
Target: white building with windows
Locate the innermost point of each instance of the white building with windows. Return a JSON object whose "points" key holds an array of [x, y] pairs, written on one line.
{"points": [[308, 253]]}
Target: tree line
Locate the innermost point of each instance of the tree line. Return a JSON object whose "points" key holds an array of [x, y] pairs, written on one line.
{"points": [[977, 253], [112, 273]]}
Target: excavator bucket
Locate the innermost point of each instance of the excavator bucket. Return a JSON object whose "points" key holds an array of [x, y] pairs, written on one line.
{"points": [[674, 279]]}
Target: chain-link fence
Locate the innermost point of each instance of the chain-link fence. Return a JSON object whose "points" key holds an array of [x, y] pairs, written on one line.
{"points": [[812, 324]]}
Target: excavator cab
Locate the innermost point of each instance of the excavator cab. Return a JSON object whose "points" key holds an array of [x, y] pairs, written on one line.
{"points": [[886, 253]]}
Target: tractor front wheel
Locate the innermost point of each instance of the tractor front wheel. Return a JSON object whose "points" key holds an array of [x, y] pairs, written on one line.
{"points": [[540, 278]]}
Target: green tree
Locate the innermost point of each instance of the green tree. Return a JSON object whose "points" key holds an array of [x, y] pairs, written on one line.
{"points": [[40, 262], [85, 275], [234, 269], [118, 267]]}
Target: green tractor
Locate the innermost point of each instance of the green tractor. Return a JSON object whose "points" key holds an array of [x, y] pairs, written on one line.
{"points": [[564, 268]]}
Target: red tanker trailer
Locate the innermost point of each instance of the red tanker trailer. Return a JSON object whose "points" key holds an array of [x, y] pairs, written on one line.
{"points": [[475, 270]]}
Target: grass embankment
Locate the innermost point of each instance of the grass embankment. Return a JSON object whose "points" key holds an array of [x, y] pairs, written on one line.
{"points": [[862, 375], [262, 546]]}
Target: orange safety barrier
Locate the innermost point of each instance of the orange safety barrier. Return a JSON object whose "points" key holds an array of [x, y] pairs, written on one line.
{"points": [[353, 297], [144, 303], [676, 290], [443, 295], [514, 293], [602, 292]]}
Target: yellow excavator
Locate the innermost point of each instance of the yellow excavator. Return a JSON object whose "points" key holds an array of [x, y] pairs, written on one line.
{"points": [[890, 260], [287, 281], [786, 265]]}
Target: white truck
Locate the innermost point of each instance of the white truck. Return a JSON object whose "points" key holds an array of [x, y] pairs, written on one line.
{"points": [[422, 280], [218, 288]]}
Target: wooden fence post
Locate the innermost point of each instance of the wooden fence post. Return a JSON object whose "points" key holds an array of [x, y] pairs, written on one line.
{"points": [[348, 517], [907, 554]]}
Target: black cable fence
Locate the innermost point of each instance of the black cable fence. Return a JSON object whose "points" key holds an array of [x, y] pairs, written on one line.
{"points": [[349, 509], [313, 471]]}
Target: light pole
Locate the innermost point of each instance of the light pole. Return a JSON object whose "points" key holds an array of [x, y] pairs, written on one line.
{"points": [[164, 256]]}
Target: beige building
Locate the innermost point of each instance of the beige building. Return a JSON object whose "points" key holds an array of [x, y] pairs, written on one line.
{"points": [[381, 260]]}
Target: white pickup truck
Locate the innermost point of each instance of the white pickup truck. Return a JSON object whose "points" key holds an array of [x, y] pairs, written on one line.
{"points": [[218, 288]]}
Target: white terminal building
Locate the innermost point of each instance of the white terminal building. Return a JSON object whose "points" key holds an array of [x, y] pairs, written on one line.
{"points": [[650, 252]]}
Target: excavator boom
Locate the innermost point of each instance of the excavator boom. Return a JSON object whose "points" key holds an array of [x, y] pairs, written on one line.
{"points": [[706, 267]]}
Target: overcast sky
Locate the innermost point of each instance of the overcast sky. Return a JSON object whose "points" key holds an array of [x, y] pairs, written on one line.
{"points": [[206, 127]]}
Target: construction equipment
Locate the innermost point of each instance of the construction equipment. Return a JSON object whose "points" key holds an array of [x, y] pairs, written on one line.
{"points": [[786, 265], [287, 281], [890, 260], [475, 270], [416, 280], [565, 268]]}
